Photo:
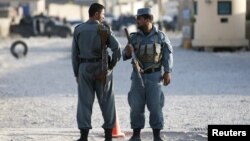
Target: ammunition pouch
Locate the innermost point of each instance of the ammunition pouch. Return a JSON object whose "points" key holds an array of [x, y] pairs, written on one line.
{"points": [[150, 53]]}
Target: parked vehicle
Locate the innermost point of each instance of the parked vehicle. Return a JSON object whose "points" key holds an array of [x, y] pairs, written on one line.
{"points": [[169, 22], [109, 18], [123, 21], [41, 25]]}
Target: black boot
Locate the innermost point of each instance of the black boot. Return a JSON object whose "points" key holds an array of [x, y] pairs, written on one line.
{"points": [[157, 136], [136, 135], [108, 134], [84, 135]]}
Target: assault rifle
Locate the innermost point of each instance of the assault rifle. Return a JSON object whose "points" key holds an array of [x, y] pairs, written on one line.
{"points": [[135, 60], [103, 76]]}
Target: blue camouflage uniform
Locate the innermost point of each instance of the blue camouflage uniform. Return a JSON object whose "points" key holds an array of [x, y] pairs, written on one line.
{"points": [[154, 52], [86, 61]]}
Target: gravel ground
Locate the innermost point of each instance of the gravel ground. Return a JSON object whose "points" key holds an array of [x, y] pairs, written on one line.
{"points": [[38, 93]]}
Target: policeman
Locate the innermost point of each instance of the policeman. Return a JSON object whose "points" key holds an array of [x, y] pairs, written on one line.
{"points": [[153, 51], [87, 65]]}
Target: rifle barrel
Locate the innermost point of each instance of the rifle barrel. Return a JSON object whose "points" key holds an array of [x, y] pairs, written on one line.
{"points": [[127, 35], [134, 59]]}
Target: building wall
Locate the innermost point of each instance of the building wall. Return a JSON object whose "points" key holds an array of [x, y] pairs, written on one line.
{"points": [[248, 30], [40, 7], [248, 21], [4, 27], [127, 8], [248, 6], [61, 11], [209, 30], [36, 6]]}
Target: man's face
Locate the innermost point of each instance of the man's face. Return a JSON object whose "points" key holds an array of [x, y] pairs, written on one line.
{"points": [[141, 22], [100, 15]]}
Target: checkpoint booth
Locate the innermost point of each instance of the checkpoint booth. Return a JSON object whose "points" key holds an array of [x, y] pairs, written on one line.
{"points": [[219, 23]]}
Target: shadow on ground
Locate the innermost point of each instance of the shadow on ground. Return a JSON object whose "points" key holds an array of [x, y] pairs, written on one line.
{"points": [[72, 135]]}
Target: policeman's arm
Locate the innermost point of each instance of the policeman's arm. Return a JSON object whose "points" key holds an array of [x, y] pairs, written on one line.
{"points": [[167, 59], [74, 55], [127, 51], [166, 78], [114, 45]]}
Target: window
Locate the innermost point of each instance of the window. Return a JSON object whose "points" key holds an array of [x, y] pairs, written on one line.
{"points": [[195, 8], [224, 8]]}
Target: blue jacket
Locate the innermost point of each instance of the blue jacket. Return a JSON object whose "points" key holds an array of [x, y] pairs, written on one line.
{"points": [[87, 44]]}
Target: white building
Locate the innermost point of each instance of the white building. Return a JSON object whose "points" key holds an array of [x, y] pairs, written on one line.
{"points": [[220, 23]]}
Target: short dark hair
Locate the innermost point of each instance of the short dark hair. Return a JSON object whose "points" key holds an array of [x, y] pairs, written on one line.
{"points": [[95, 7], [147, 16]]}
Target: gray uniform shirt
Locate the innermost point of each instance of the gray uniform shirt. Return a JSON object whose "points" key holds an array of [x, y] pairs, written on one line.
{"points": [[87, 44]]}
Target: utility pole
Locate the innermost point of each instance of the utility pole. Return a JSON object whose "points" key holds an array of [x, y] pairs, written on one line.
{"points": [[106, 6], [132, 6], [160, 8]]}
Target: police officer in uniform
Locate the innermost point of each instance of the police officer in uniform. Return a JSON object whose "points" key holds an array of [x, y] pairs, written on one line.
{"points": [[153, 51], [87, 64]]}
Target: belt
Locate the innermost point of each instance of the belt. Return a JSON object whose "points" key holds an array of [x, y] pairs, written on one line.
{"points": [[151, 70], [90, 60]]}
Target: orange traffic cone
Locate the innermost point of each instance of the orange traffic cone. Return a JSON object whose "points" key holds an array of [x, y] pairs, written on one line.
{"points": [[116, 132]]}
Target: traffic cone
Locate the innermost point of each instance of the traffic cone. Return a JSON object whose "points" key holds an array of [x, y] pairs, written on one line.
{"points": [[116, 132]]}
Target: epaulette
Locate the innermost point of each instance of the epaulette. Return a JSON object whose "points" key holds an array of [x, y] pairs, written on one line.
{"points": [[161, 34], [78, 25]]}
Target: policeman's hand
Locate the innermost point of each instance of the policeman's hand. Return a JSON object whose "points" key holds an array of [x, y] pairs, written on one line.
{"points": [[166, 78], [115, 58], [112, 64], [129, 50]]}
